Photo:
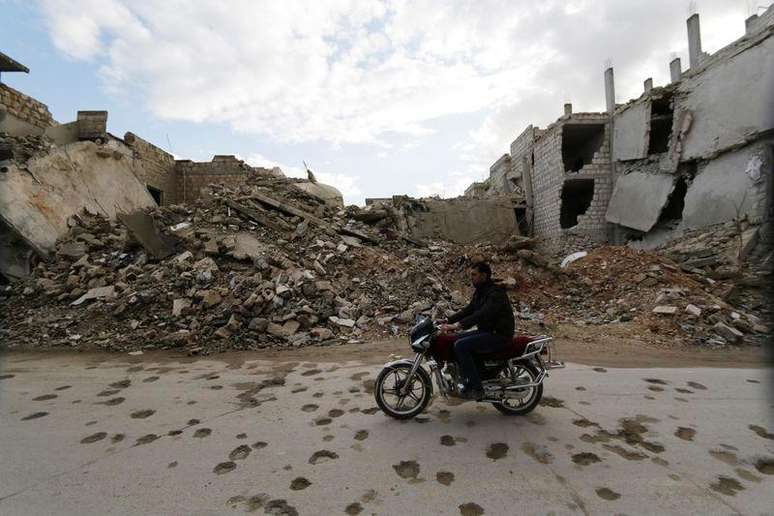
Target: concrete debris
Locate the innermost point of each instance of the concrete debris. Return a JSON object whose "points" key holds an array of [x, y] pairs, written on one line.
{"points": [[665, 310], [572, 257], [96, 293]]}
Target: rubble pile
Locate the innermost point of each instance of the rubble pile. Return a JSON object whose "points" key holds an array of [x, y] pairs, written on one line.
{"points": [[236, 270], [619, 284], [22, 148], [268, 265]]}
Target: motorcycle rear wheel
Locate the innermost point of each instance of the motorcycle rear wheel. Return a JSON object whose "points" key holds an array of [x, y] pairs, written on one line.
{"points": [[391, 379], [508, 407]]}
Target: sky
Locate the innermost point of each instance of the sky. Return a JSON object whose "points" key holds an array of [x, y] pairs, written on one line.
{"points": [[379, 97]]}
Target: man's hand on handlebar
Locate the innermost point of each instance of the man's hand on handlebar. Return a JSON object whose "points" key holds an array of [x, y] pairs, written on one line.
{"points": [[448, 328]]}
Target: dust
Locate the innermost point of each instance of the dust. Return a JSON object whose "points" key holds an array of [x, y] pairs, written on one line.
{"points": [[240, 452], [145, 439], [623, 452], [6, 376], [93, 438], [192, 422], [725, 456], [321, 456], [361, 435], [684, 433], [359, 376], [600, 369], [471, 509], [585, 458], [34, 415], [224, 467], [142, 414], [322, 421], [241, 436], [150, 379], [497, 451], [173, 433], [335, 413], [765, 465], [371, 410], [584, 423], [537, 452], [580, 388], [407, 469], [123, 384], [172, 464], [202, 432], [727, 486], [259, 444], [299, 484], [368, 385], [117, 438], [112, 402], [444, 477], [659, 461], [747, 475], [311, 372], [696, 385], [447, 440], [535, 418], [762, 432], [107, 392], [656, 381], [752, 381], [353, 508], [607, 494], [549, 401], [655, 388], [683, 391], [45, 397], [63, 388]]}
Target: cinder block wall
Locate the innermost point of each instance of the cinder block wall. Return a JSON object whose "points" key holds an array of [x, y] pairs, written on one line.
{"points": [[548, 177], [154, 167], [193, 176], [25, 107]]}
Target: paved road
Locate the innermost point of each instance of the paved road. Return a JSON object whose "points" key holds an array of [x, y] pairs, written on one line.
{"points": [[82, 435]]}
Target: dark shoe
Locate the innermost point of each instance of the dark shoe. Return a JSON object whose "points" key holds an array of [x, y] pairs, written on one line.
{"points": [[472, 393]]}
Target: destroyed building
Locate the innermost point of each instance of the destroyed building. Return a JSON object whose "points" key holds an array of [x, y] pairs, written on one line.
{"points": [[688, 155]]}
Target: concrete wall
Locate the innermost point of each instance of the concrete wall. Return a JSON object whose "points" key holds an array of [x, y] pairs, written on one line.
{"points": [[25, 108], [192, 176], [631, 131], [463, 221], [37, 202], [730, 97], [153, 167], [735, 184]]}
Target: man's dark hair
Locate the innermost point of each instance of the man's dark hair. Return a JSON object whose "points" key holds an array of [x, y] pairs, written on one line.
{"points": [[482, 267]]}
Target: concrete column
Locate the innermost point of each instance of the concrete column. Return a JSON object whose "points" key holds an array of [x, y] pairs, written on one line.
{"points": [[648, 84], [610, 90], [694, 41], [750, 24], [568, 109], [675, 69]]}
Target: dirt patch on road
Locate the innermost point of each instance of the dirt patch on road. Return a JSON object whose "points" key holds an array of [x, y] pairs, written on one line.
{"points": [[407, 469], [444, 477], [727, 486], [497, 451]]}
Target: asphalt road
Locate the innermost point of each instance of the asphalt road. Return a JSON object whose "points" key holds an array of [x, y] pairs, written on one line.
{"points": [[91, 435]]}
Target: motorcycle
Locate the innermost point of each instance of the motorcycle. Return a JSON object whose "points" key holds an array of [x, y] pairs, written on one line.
{"points": [[512, 379]]}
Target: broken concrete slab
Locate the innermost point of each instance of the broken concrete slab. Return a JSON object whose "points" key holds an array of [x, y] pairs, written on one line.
{"points": [[727, 332], [693, 310], [108, 292], [142, 227], [38, 198], [665, 310], [178, 305], [638, 199], [244, 246]]}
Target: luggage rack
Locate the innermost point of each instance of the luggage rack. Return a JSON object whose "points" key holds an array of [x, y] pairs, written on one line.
{"points": [[546, 348]]}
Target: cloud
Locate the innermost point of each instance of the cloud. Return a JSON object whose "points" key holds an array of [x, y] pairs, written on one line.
{"points": [[347, 185], [453, 187], [345, 72]]}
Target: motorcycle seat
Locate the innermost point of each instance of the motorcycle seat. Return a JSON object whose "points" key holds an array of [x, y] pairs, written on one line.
{"points": [[516, 349]]}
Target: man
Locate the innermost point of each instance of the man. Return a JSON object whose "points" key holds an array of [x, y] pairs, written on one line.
{"points": [[490, 310]]}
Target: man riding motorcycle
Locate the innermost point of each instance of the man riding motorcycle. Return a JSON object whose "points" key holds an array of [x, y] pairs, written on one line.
{"points": [[490, 310]]}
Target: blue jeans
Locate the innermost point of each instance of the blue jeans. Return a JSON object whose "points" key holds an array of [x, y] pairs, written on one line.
{"points": [[476, 342]]}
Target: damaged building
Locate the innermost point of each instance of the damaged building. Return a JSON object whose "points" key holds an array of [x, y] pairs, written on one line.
{"points": [[51, 172], [688, 155]]}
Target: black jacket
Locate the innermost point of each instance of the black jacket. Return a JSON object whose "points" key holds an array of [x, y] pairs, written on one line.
{"points": [[490, 310]]}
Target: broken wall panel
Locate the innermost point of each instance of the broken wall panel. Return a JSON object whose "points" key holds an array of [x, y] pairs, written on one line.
{"points": [[732, 186], [631, 132], [638, 199], [38, 197], [154, 167], [731, 99]]}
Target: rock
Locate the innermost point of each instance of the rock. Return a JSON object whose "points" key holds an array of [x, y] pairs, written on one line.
{"points": [[108, 292], [349, 323], [742, 325], [323, 286], [727, 332], [178, 305], [211, 298], [321, 333], [222, 332], [211, 247], [183, 257], [206, 265], [407, 316], [693, 310], [258, 324], [285, 330], [319, 268], [665, 310], [244, 246]]}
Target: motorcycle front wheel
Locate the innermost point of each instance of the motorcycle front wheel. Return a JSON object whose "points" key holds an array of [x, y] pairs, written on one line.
{"points": [[389, 395]]}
